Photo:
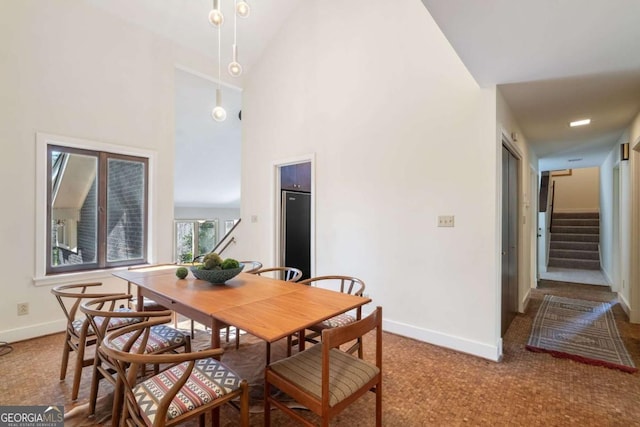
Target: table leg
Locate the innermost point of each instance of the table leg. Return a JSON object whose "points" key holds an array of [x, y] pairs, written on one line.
{"points": [[268, 353], [215, 333], [301, 340], [140, 306]]}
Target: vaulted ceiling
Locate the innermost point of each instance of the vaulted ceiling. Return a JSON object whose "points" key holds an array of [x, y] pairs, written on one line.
{"points": [[554, 62]]}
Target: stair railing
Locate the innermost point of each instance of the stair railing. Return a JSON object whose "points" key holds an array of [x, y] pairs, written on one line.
{"points": [[227, 239], [553, 196]]}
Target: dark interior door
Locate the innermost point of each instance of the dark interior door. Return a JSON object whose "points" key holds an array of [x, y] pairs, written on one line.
{"points": [[510, 166], [296, 231]]}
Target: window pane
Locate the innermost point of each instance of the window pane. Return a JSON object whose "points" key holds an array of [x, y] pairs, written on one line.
{"points": [[74, 208], [125, 210], [184, 241], [206, 236]]}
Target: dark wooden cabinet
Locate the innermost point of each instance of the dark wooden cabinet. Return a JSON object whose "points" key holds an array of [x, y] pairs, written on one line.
{"points": [[296, 177]]}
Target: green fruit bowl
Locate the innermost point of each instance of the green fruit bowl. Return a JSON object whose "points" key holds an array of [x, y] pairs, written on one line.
{"points": [[216, 276]]}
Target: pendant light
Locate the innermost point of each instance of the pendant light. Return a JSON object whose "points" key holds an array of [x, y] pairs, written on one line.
{"points": [[216, 18], [219, 114], [242, 9], [235, 69]]}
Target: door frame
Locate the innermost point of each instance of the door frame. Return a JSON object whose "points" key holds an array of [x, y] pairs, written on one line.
{"points": [[510, 145], [276, 206]]}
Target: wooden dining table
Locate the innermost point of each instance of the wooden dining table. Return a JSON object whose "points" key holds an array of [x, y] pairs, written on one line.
{"points": [[267, 308]]}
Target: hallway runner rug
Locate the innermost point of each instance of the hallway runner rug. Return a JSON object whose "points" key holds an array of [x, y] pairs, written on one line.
{"points": [[584, 331]]}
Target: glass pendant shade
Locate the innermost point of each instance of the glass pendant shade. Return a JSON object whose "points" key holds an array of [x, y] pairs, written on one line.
{"points": [[219, 114], [216, 18], [235, 69], [243, 9]]}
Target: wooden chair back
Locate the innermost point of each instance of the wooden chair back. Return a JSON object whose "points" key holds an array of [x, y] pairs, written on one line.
{"points": [[77, 335], [251, 266], [103, 314], [288, 274], [307, 363], [345, 284], [129, 362]]}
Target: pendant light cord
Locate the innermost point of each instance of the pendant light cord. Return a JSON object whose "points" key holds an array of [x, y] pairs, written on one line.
{"points": [[219, 60], [235, 24]]}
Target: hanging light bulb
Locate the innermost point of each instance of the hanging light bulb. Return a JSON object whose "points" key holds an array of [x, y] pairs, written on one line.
{"points": [[243, 9], [235, 69], [216, 18], [219, 114]]}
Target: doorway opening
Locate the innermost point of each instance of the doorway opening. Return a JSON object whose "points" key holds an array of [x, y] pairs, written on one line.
{"points": [[294, 201]]}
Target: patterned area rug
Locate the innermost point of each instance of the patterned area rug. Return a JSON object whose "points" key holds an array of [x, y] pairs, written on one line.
{"points": [[584, 331]]}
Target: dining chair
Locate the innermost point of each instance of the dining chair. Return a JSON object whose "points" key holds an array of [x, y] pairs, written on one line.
{"points": [[150, 305], [194, 382], [345, 284], [251, 266], [326, 379], [162, 339], [288, 274], [78, 333]]}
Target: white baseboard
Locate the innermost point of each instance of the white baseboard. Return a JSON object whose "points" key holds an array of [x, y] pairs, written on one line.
{"points": [[486, 351], [624, 304], [33, 331], [525, 301]]}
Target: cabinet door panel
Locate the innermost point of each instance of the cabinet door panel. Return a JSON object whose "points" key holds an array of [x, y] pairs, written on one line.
{"points": [[303, 176], [288, 177]]}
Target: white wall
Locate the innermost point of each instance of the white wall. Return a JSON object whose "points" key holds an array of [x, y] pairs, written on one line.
{"points": [[630, 214], [401, 134], [578, 192], [607, 215], [71, 70]]}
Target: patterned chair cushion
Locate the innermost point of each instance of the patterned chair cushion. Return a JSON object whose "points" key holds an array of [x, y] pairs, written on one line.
{"points": [[335, 322], [160, 338], [209, 380], [114, 322], [346, 372]]}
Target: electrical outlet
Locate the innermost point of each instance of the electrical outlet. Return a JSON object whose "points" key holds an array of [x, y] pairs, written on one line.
{"points": [[23, 308], [445, 221]]}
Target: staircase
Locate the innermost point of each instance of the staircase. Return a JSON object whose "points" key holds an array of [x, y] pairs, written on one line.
{"points": [[574, 240]]}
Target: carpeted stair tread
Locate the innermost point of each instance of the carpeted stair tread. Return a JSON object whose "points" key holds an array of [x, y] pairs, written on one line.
{"points": [[574, 237], [582, 264], [578, 229], [564, 215], [572, 222], [574, 254], [578, 246]]}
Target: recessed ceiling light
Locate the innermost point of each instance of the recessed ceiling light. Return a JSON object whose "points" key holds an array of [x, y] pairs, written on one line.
{"points": [[580, 122]]}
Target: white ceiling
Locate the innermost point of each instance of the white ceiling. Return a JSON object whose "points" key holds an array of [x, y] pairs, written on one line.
{"points": [[554, 61], [207, 166]]}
